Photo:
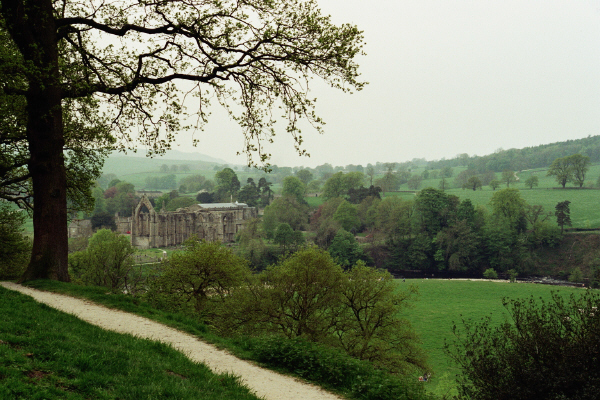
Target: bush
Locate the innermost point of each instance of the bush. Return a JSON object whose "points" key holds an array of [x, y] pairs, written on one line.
{"points": [[490, 273], [197, 279], [547, 350], [106, 262], [309, 296]]}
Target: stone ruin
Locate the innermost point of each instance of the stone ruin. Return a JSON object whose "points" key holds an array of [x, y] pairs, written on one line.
{"points": [[210, 222]]}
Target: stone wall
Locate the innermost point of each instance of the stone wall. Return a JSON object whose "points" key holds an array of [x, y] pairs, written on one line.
{"points": [[210, 222]]}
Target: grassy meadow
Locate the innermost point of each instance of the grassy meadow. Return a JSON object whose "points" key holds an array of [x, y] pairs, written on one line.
{"points": [[443, 303]]}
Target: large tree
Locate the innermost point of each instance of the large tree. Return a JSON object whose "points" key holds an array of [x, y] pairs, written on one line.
{"points": [[257, 54]]}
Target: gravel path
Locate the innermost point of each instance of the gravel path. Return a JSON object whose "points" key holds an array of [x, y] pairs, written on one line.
{"points": [[264, 383]]}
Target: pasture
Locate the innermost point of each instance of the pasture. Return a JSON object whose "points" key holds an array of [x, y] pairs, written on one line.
{"points": [[443, 303]]}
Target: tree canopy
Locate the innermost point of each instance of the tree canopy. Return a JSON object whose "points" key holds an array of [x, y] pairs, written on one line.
{"points": [[128, 56]]}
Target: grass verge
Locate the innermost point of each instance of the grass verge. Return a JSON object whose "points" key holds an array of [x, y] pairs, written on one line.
{"points": [[47, 354]]}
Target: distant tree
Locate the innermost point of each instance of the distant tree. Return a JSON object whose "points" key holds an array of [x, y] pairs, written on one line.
{"points": [[473, 183], [293, 187], [538, 353], [508, 205], [443, 185], [356, 196], [287, 238], [532, 181], [563, 214], [266, 194], [103, 220], [193, 183], [184, 168], [414, 182], [494, 184], [562, 170], [370, 173], [174, 168], [347, 215], [345, 250], [227, 184], [304, 175], [314, 186], [579, 166], [205, 198], [249, 194], [180, 202], [446, 172], [164, 168], [508, 177], [490, 273], [425, 174]]}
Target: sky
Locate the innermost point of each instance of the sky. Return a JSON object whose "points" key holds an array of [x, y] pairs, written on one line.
{"points": [[445, 78]]}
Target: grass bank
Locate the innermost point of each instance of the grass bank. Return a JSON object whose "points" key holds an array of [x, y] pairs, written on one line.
{"points": [[47, 354]]}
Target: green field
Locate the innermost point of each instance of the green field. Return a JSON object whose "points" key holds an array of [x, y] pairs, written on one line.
{"points": [[442, 303]]}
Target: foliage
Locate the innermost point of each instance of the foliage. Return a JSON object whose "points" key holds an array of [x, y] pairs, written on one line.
{"points": [[508, 205], [285, 210], [546, 350], [509, 177], [15, 249], [192, 183], [180, 202], [294, 187], [345, 250], [490, 273], [227, 185], [532, 181], [309, 296], [346, 215], [107, 262], [494, 184], [288, 238], [198, 278], [332, 368], [103, 220], [258, 65], [563, 214]]}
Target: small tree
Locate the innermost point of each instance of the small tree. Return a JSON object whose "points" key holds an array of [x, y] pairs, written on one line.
{"points": [[532, 181], [563, 214], [473, 183], [490, 273], [509, 177], [192, 279], [494, 184], [107, 262]]}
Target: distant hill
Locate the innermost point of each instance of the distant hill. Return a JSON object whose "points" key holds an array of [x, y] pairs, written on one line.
{"points": [[134, 163], [527, 158]]}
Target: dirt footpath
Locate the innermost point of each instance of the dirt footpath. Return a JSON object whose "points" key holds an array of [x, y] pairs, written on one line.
{"points": [[264, 383]]}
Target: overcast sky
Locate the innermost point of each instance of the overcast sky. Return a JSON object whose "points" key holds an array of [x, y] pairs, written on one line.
{"points": [[449, 77]]}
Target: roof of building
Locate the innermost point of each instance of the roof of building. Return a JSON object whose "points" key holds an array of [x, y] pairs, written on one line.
{"points": [[223, 205]]}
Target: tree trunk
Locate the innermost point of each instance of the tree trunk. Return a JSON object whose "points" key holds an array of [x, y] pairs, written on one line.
{"points": [[31, 25]]}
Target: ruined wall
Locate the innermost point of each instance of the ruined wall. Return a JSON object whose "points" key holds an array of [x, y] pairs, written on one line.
{"points": [[208, 222]]}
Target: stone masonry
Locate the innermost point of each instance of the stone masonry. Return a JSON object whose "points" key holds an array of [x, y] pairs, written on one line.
{"points": [[210, 222]]}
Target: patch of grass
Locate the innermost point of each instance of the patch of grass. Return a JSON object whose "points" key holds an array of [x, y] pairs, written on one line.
{"points": [[47, 354]]}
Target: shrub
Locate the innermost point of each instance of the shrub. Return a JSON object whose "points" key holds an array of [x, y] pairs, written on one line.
{"points": [[198, 278], [106, 262], [547, 350], [490, 273]]}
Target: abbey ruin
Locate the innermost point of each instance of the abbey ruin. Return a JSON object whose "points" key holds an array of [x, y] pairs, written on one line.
{"points": [[210, 222]]}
